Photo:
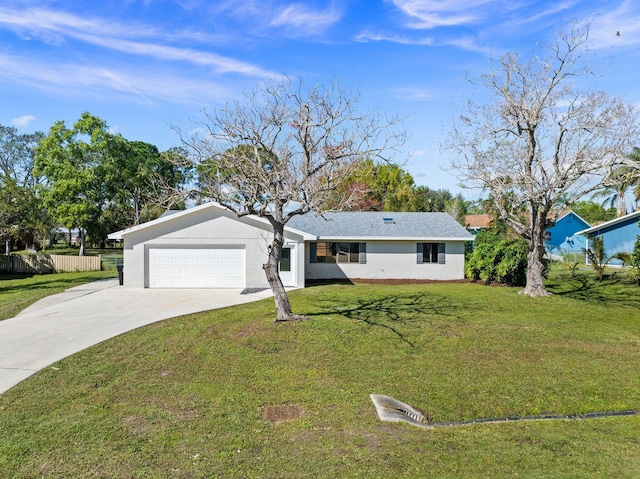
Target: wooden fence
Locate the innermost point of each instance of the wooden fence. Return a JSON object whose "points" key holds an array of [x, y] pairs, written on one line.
{"points": [[48, 263]]}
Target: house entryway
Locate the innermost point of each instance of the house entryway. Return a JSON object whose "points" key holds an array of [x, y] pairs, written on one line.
{"points": [[287, 266]]}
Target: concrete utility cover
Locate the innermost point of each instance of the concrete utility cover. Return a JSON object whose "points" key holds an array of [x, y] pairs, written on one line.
{"points": [[281, 413], [392, 410]]}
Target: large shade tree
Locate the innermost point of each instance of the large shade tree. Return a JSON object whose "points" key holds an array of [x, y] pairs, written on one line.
{"points": [[284, 150], [538, 137], [73, 162], [142, 181], [22, 219]]}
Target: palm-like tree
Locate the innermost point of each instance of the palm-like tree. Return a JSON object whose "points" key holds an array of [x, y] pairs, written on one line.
{"points": [[621, 180], [599, 259], [632, 162], [615, 195]]}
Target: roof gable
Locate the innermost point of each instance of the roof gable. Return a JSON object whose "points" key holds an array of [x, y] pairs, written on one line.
{"points": [[181, 216]]}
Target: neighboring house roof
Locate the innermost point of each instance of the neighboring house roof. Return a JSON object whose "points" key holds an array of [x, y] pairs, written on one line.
{"points": [[565, 213], [381, 225], [478, 221], [610, 224], [360, 225]]}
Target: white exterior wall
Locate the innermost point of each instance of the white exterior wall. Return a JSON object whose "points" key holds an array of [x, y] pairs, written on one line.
{"points": [[205, 229], [393, 260]]}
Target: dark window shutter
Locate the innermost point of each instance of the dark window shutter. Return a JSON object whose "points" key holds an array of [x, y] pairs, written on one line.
{"points": [[441, 253], [420, 254], [363, 253], [313, 252]]}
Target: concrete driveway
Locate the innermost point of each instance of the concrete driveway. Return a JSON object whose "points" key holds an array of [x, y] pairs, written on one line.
{"points": [[63, 324]]}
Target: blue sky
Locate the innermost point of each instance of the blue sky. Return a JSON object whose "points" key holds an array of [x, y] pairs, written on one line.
{"points": [[146, 65]]}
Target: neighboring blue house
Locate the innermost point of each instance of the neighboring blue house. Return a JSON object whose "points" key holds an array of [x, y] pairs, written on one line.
{"points": [[563, 237], [619, 235]]}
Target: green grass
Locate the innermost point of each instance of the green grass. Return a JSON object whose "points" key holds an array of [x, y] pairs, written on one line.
{"points": [[17, 291], [183, 398]]}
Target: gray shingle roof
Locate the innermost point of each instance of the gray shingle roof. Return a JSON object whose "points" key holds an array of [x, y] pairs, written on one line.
{"points": [[376, 224]]}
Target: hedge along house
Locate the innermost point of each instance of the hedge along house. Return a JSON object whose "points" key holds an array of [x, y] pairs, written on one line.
{"points": [[209, 246], [619, 235]]}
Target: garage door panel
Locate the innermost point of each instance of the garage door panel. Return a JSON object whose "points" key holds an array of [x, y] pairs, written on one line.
{"points": [[196, 267]]}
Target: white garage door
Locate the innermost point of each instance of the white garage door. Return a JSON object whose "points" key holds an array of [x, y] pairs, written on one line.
{"points": [[196, 268]]}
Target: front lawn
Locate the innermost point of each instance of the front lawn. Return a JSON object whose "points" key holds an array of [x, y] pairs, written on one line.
{"points": [[184, 397], [17, 291]]}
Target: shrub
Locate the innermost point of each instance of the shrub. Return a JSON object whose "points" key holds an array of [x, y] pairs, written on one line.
{"points": [[498, 259]]}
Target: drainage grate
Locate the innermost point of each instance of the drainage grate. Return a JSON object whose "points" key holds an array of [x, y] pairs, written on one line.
{"points": [[286, 412], [392, 410]]}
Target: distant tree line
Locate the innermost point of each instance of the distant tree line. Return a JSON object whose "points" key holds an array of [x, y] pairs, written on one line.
{"points": [[83, 177], [87, 178]]}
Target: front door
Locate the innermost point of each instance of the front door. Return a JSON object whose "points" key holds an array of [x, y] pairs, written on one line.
{"points": [[287, 266]]}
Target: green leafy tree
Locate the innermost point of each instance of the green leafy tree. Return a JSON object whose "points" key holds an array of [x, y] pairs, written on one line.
{"points": [[142, 181], [73, 161], [22, 219], [388, 187], [593, 212], [498, 257], [17, 153]]}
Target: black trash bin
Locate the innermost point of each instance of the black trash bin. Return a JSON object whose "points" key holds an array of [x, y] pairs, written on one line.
{"points": [[120, 274]]}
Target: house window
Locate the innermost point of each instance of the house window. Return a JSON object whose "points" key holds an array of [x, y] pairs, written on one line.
{"points": [[325, 252], [285, 259], [431, 253]]}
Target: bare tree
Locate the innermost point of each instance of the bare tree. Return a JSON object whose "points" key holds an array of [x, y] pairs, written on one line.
{"points": [[284, 151], [541, 137]]}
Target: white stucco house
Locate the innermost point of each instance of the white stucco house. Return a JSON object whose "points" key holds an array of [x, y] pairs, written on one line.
{"points": [[208, 246]]}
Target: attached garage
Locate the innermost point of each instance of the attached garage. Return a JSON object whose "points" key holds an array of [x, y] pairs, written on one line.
{"points": [[196, 267]]}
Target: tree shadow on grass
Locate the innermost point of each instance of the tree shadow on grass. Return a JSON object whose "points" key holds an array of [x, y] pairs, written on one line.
{"points": [[392, 312], [611, 290]]}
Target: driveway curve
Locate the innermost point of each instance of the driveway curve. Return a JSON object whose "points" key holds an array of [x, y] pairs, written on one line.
{"points": [[66, 323]]}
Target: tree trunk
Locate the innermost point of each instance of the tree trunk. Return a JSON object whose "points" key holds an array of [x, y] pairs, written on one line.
{"points": [[536, 267], [82, 242], [283, 308]]}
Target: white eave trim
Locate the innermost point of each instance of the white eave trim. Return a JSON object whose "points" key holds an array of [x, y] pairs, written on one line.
{"points": [[390, 238], [606, 224]]}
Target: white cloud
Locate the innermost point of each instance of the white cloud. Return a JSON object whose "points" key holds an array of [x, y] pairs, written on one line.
{"points": [[300, 19], [414, 94], [96, 81], [220, 63], [305, 19], [55, 27], [618, 27], [366, 37], [23, 121], [427, 14]]}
